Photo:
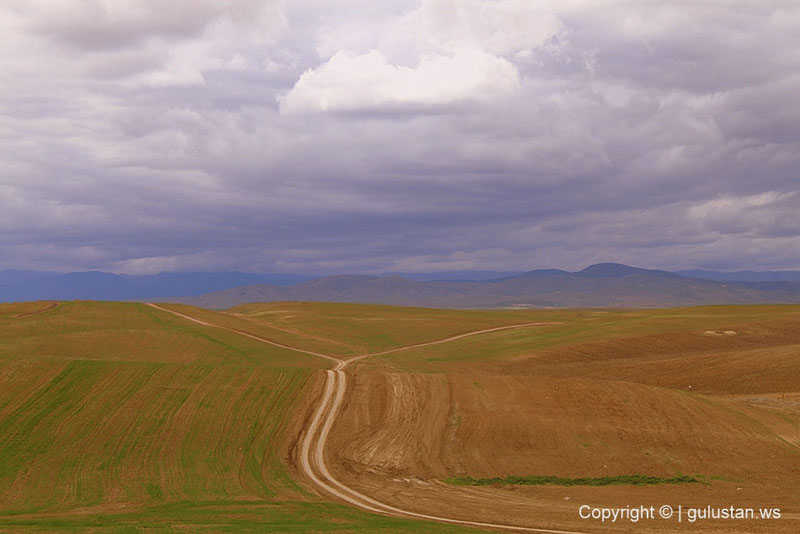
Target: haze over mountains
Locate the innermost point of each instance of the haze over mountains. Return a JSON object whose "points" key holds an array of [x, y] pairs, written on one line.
{"points": [[743, 276], [26, 285], [20, 285], [605, 284]]}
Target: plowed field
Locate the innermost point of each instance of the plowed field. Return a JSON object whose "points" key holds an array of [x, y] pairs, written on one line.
{"points": [[127, 416]]}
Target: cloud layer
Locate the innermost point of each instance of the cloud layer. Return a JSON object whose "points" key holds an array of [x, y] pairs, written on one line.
{"points": [[369, 83], [394, 136]]}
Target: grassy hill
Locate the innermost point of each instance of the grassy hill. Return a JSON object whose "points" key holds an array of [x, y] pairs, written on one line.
{"points": [[119, 416], [123, 417]]}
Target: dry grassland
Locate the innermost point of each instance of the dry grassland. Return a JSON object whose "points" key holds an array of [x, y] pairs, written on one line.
{"points": [[602, 394], [120, 416]]}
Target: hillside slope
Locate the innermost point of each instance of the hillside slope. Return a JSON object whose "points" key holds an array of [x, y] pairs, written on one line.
{"points": [[710, 393], [116, 417]]}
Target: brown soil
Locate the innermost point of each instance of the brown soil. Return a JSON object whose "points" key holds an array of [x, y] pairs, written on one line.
{"points": [[721, 407], [615, 407]]}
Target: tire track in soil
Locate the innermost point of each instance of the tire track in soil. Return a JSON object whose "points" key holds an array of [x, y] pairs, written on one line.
{"points": [[50, 306], [312, 452]]}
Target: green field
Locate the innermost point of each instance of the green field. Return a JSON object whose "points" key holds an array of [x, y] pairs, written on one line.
{"points": [[352, 329], [122, 417], [598, 331]]}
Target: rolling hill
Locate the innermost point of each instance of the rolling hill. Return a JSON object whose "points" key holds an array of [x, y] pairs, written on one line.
{"points": [[118, 417], [126, 417], [600, 285]]}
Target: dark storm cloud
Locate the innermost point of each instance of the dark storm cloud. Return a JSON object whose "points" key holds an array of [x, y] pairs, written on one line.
{"points": [[101, 25], [138, 136]]}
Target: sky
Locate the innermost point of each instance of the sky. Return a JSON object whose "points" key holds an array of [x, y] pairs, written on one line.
{"points": [[309, 136]]}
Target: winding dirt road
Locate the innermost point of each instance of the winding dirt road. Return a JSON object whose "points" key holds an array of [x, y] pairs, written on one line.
{"points": [[312, 452], [49, 306]]}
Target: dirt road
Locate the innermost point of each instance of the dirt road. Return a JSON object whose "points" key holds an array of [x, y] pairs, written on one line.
{"points": [[49, 306], [312, 453]]}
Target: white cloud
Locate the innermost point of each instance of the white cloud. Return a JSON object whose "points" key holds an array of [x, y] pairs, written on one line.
{"points": [[207, 260], [500, 27], [728, 206], [148, 130], [356, 82], [765, 214], [433, 53]]}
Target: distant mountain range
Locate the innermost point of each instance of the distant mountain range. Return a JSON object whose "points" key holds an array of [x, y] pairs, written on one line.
{"points": [[604, 284], [26, 285], [474, 276], [601, 285], [744, 276], [16, 285]]}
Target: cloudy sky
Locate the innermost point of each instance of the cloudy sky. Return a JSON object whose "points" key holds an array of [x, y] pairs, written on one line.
{"points": [[330, 136]]}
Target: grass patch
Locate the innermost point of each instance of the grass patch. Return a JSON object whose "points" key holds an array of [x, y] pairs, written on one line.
{"points": [[256, 516], [619, 480]]}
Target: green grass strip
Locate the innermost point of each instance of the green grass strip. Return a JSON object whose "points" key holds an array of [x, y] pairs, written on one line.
{"points": [[620, 480]]}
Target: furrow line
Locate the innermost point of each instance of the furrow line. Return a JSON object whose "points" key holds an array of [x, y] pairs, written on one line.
{"points": [[325, 416]]}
